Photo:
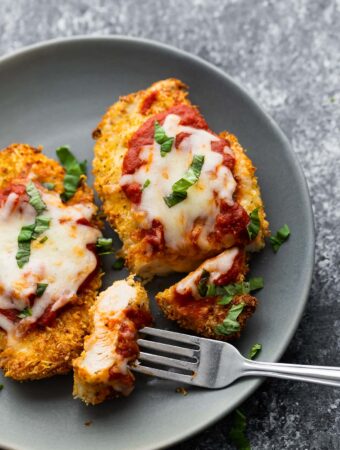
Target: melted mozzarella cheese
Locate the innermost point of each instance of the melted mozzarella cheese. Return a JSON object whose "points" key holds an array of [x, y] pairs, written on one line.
{"points": [[217, 266], [62, 261], [216, 182], [100, 347]]}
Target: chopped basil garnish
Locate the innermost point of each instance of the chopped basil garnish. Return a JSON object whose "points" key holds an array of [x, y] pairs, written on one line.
{"points": [[42, 223], [253, 227], [30, 232], [240, 288], [180, 188], [146, 184], [43, 239], [174, 198], [206, 289], [255, 350], [202, 284], [281, 236], [255, 283], [211, 290], [237, 431], [35, 198], [27, 312], [1, 387], [27, 234], [118, 264], [49, 186], [229, 291], [74, 171], [24, 245], [104, 245], [230, 324], [162, 139], [226, 299], [41, 288]]}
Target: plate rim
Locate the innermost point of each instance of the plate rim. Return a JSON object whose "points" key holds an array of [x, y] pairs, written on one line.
{"points": [[310, 228]]}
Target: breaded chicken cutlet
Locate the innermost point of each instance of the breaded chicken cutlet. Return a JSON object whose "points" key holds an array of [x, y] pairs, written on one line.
{"points": [[49, 274], [102, 370], [214, 300], [176, 192]]}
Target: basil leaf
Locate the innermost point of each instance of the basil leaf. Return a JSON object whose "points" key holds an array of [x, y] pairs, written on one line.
{"points": [[166, 147], [230, 324], [255, 350], [281, 236], [191, 176], [253, 227], [174, 198], [159, 133], [74, 171], [27, 234], [211, 290], [41, 288], [1, 387], [256, 283], [237, 431], [49, 186], [23, 253], [202, 284], [42, 224], [226, 299], [219, 290], [229, 291], [83, 167], [244, 287], [27, 312], [35, 198], [43, 239], [24, 244], [118, 264], [104, 245], [234, 312], [146, 184], [162, 139]]}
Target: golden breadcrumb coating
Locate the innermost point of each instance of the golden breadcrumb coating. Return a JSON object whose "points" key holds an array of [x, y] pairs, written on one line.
{"points": [[112, 136], [202, 315], [44, 352], [102, 371]]}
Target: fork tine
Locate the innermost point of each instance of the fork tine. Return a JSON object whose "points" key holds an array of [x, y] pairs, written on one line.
{"points": [[171, 335], [167, 348], [170, 362], [166, 375]]}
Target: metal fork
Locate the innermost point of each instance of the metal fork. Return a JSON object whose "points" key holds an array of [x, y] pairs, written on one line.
{"points": [[215, 364]]}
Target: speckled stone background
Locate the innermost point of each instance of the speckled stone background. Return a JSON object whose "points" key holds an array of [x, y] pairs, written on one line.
{"points": [[287, 54]]}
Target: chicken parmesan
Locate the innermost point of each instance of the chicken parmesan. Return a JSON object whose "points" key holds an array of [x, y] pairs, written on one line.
{"points": [[102, 371], [175, 191], [214, 300], [49, 272]]}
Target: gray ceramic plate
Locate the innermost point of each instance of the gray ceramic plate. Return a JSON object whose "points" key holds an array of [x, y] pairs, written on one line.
{"points": [[55, 93]]}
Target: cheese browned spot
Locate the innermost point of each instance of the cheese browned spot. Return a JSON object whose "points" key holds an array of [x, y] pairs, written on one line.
{"points": [[62, 257], [102, 369]]}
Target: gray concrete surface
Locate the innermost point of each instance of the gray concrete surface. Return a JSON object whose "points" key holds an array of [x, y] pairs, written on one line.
{"points": [[287, 54]]}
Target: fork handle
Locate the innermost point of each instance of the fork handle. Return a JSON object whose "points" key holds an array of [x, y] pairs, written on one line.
{"points": [[313, 374]]}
